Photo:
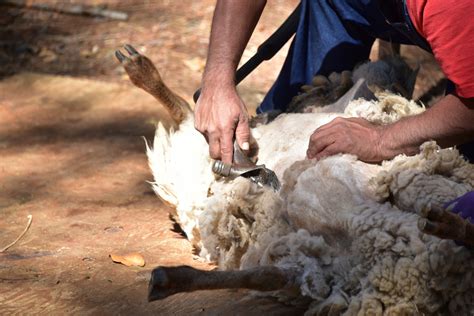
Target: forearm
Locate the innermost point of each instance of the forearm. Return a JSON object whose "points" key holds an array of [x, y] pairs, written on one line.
{"points": [[232, 26], [449, 122]]}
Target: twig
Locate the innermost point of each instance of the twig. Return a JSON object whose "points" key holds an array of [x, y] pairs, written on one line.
{"points": [[71, 9], [30, 219]]}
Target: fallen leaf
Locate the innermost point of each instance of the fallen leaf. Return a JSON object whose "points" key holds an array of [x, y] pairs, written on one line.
{"points": [[131, 259]]}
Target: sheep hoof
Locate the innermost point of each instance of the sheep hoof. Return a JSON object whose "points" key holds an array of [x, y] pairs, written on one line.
{"points": [[158, 287]]}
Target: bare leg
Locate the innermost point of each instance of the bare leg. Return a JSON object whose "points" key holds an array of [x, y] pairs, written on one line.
{"points": [[446, 225], [166, 281], [144, 75]]}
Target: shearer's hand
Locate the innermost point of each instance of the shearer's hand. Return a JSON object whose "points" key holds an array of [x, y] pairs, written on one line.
{"points": [[463, 206], [220, 115], [355, 136], [455, 222]]}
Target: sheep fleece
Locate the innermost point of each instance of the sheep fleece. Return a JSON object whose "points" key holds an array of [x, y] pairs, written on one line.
{"points": [[346, 228]]}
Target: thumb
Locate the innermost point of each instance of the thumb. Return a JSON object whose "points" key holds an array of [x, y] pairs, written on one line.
{"points": [[242, 134]]}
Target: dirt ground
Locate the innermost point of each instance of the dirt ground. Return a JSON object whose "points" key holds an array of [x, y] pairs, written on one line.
{"points": [[72, 154]]}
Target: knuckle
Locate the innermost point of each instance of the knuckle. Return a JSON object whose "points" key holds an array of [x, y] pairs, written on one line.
{"points": [[225, 148], [244, 118], [339, 121], [211, 130], [224, 125]]}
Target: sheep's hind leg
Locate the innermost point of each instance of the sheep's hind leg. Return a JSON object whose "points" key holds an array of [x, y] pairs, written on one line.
{"points": [[447, 225], [166, 281], [143, 74]]}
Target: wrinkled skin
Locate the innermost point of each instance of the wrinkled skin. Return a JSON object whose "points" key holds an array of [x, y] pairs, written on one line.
{"points": [[355, 136]]}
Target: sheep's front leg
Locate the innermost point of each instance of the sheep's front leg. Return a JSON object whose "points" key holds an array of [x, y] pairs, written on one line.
{"points": [[166, 281], [446, 225]]}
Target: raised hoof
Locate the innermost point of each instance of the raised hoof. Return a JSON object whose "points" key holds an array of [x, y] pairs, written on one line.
{"points": [[132, 51], [121, 57], [140, 69]]}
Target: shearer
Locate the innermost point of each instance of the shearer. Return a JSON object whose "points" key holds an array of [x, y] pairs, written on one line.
{"points": [[332, 36]]}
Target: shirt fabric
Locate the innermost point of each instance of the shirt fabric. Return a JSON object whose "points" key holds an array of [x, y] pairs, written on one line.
{"points": [[448, 26]]}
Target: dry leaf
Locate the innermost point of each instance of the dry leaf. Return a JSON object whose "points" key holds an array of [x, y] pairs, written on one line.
{"points": [[131, 259]]}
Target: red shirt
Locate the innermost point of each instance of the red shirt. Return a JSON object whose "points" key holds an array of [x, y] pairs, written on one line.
{"points": [[448, 26]]}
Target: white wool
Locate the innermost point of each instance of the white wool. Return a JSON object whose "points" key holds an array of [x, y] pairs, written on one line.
{"points": [[389, 108], [436, 176], [282, 142], [181, 173], [347, 229]]}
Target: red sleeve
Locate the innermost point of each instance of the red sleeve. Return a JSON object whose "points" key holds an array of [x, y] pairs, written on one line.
{"points": [[448, 26]]}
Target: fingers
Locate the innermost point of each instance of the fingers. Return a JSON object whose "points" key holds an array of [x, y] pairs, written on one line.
{"points": [[222, 117], [434, 214], [442, 224], [442, 216], [323, 137], [242, 134], [214, 145], [438, 229], [318, 142], [428, 227], [221, 146], [227, 146], [330, 150]]}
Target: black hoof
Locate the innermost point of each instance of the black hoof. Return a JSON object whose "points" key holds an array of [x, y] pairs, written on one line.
{"points": [[121, 57], [158, 286], [132, 51]]}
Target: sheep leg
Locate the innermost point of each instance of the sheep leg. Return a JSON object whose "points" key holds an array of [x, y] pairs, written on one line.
{"points": [[447, 225], [143, 74], [166, 281]]}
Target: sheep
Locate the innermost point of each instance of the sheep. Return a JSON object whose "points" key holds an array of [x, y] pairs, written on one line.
{"points": [[340, 232]]}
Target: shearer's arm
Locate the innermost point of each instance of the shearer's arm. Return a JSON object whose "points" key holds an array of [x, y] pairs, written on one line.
{"points": [[220, 114], [449, 122]]}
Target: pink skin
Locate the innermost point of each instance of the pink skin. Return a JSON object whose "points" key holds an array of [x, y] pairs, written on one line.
{"points": [[220, 114]]}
